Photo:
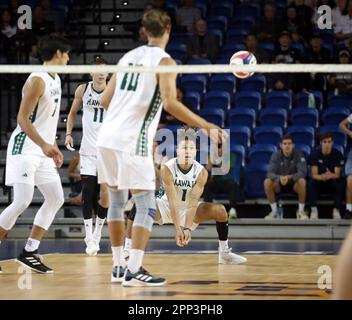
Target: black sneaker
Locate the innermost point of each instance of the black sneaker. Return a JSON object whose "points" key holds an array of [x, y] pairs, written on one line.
{"points": [[117, 274], [33, 261], [0, 270], [142, 278], [347, 215]]}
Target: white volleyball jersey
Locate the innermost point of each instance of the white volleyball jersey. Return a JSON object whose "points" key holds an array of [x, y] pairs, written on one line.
{"points": [[133, 115], [44, 118], [183, 181], [92, 120]]}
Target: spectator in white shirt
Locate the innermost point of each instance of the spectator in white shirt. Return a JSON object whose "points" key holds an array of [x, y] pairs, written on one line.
{"points": [[343, 27]]}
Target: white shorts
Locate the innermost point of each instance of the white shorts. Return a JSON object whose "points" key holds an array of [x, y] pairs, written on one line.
{"points": [[30, 169], [126, 171], [164, 210], [88, 165]]}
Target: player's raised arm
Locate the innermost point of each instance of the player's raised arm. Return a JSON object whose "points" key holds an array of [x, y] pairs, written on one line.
{"points": [[75, 107], [171, 193], [193, 199], [108, 93]]}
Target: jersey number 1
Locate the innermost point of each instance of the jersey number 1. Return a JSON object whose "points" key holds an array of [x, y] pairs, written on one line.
{"points": [[96, 110], [184, 193]]}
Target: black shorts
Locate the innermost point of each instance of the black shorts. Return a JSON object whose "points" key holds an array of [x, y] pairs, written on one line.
{"points": [[288, 188]]}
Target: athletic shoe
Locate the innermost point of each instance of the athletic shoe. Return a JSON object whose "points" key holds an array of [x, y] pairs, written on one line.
{"points": [[336, 214], [273, 215], [347, 215], [126, 254], [233, 213], [314, 215], [117, 274], [0, 270], [97, 241], [33, 261], [301, 215], [92, 248], [142, 278], [227, 257]]}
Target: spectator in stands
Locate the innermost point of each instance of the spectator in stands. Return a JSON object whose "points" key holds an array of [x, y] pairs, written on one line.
{"points": [[13, 8], [286, 174], [203, 44], [51, 15], [269, 26], [341, 83], [343, 27], [325, 165], [293, 25], [221, 183], [304, 12], [187, 15], [8, 32], [167, 118], [40, 26], [344, 126], [251, 45], [339, 11]]}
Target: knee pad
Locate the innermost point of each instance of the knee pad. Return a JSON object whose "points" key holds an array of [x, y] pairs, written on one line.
{"points": [[145, 210], [117, 199]]}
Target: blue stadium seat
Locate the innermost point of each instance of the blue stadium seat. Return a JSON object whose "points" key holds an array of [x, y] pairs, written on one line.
{"points": [[335, 115], [194, 82], [217, 22], [230, 48], [302, 99], [339, 101], [217, 99], [222, 9], [218, 33], [273, 116], [237, 35], [248, 99], [339, 137], [254, 180], [257, 82], [193, 61], [340, 148], [240, 152], [180, 37], [299, 47], [226, 82], [261, 153], [240, 135], [305, 116], [277, 99], [269, 47], [247, 9], [202, 6], [246, 21], [327, 36], [214, 115], [304, 148], [242, 116], [177, 51], [267, 135], [192, 100], [302, 134]]}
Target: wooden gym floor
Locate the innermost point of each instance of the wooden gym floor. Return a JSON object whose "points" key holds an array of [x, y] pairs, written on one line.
{"points": [[189, 276]]}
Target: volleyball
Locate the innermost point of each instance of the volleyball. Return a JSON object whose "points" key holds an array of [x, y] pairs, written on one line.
{"points": [[242, 58]]}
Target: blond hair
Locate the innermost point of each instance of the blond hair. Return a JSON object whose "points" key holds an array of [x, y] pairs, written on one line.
{"points": [[155, 22]]}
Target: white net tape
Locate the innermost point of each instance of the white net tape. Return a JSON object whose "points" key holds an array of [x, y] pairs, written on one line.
{"points": [[211, 68]]}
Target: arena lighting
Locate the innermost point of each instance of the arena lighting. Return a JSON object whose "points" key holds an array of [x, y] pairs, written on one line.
{"points": [[106, 43], [125, 3], [112, 29], [117, 16]]}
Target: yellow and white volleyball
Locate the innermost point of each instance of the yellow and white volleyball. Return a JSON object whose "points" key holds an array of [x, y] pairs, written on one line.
{"points": [[241, 58]]}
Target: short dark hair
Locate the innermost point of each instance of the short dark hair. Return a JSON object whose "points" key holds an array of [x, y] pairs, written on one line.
{"points": [[155, 22], [326, 135], [99, 60], [286, 137], [186, 134], [48, 45]]}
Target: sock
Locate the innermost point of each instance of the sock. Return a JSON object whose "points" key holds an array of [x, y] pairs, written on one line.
{"points": [[135, 260], [301, 207], [117, 256], [223, 245], [99, 224], [314, 209], [223, 230], [128, 243], [32, 245], [88, 225], [336, 210], [349, 206], [273, 207]]}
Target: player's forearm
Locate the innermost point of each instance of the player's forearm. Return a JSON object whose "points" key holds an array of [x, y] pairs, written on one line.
{"points": [[31, 132], [70, 122], [190, 214]]}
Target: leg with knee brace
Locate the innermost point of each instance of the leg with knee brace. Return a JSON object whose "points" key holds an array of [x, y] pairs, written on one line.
{"points": [[89, 195], [117, 199], [145, 209], [23, 194]]}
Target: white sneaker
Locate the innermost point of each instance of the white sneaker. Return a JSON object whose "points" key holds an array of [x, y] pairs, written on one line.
{"points": [[336, 214], [314, 215], [273, 215], [233, 213], [227, 257], [91, 248], [301, 215], [126, 253]]}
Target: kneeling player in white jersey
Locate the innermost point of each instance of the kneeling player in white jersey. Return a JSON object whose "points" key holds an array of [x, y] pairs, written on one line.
{"points": [[183, 181], [87, 97], [33, 155]]}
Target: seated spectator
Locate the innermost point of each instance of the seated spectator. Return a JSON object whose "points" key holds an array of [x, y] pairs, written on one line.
{"points": [[203, 44], [51, 15], [286, 174], [344, 126], [40, 26], [341, 83], [325, 165], [251, 46], [292, 24], [8, 32], [221, 183], [343, 27], [187, 16], [75, 176], [339, 11], [304, 12], [268, 27]]}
